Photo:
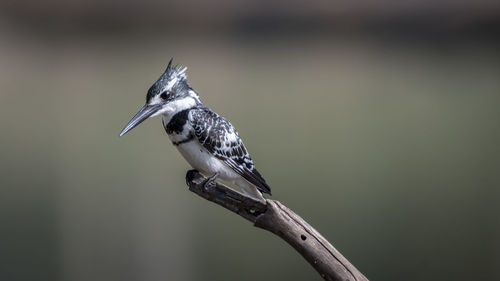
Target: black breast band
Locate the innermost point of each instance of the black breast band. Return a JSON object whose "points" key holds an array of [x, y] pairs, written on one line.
{"points": [[188, 139]]}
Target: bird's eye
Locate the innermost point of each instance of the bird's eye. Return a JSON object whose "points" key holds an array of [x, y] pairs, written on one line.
{"points": [[164, 96]]}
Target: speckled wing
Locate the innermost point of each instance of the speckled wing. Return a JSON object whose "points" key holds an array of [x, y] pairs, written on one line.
{"points": [[220, 138]]}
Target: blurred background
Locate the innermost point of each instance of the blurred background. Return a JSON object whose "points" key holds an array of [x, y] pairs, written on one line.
{"points": [[376, 121]]}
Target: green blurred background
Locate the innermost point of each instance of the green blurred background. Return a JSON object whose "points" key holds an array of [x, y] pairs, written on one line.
{"points": [[377, 122]]}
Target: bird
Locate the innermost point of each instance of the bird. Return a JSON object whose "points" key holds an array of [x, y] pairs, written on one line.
{"points": [[206, 140]]}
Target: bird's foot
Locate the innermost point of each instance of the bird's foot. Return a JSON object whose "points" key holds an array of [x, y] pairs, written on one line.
{"points": [[209, 181]]}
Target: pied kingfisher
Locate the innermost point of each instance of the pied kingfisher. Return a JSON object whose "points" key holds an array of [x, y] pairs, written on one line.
{"points": [[208, 142]]}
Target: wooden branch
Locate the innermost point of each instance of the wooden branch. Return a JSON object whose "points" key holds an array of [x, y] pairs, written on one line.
{"points": [[278, 219]]}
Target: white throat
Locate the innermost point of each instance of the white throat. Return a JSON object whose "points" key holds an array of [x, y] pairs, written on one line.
{"points": [[176, 106]]}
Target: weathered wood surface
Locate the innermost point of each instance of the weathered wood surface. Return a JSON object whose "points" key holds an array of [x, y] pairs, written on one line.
{"points": [[278, 219]]}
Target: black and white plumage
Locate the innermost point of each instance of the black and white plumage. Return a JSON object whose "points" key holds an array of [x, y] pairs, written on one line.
{"points": [[205, 139]]}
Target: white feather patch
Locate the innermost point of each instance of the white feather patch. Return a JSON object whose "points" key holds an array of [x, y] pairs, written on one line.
{"points": [[173, 107]]}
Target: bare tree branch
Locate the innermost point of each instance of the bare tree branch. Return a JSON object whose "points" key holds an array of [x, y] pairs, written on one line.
{"points": [[278, 219]]}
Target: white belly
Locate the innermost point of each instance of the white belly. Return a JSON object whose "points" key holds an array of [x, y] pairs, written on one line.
{"points": [[200, 159], [203, 161]]}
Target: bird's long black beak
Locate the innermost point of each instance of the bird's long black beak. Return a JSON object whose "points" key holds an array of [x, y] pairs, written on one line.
{"points": [[143, 114]]}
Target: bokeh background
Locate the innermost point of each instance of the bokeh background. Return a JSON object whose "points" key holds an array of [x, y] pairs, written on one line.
{"points": [[377, 121]]}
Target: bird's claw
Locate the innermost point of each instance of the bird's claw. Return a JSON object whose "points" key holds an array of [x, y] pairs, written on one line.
{"points": [[209, 181]]}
